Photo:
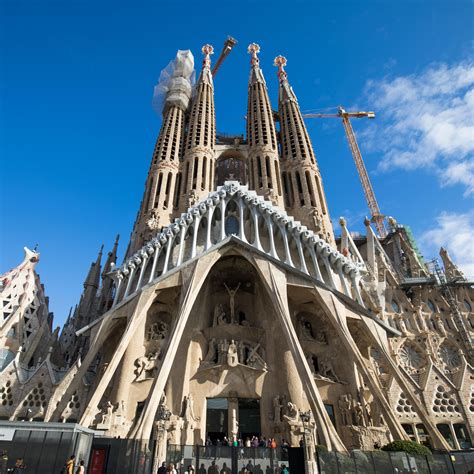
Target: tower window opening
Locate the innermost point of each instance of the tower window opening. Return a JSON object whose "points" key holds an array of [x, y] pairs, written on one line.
{"points": [[195, 171], [203, 174], [177, 190], [167, 192], [259, 169], [310, 188], [147, 195], [211, 178], [286, 194], [291, 192], [300, 188], [268, 172], [277, 176], [158, 190], [186, 176]]}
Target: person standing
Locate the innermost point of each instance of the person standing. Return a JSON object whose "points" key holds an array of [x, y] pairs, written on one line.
{"points": [[171, 469], [81, 468], [69, 465], [19, 467], [162, 468]]}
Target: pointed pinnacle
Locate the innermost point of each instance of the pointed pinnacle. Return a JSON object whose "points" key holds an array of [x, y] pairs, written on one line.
{"points": [[253, 49], [280, 63], [207, 50]]}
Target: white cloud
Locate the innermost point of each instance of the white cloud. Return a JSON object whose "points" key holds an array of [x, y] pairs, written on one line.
{"points": [[426, 120], [454, 232]]}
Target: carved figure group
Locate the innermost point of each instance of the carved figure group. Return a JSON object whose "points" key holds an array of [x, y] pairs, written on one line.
{"points": [[233, 353], [284, 410], [111, 415], [355, 413], [322, 368], [156, 331], [309, 334]]}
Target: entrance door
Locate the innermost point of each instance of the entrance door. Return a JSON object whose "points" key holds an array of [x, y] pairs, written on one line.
{"points": [[217, 418], [249, 417], [98, 461]]}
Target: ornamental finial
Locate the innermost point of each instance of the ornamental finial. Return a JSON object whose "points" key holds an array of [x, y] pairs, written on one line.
{"points": [[280, 63], [207, 50], [253, 49]]}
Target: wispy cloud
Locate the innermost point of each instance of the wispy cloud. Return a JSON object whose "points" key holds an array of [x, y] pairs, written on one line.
{"points": [[426, 120], [454, 232]]}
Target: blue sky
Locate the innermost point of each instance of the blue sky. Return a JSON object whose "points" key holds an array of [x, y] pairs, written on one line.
{"points": [[77, 128]]}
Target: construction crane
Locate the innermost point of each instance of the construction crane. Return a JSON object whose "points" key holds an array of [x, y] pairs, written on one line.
{"points": [[377, 217], [228, 45]]}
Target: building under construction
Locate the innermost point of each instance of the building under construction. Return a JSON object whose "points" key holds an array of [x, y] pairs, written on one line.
{"points": [[236, 312]]}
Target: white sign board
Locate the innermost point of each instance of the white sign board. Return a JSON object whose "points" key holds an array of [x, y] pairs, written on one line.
{"points": [[6, 434]]}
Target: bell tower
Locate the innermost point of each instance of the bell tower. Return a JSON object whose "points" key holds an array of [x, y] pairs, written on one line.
{"points": [[159, 199], [264, 166], [197, 170], [302, 182]]}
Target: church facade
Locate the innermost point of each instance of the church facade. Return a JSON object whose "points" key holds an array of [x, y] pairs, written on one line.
{"points": [[237, 312]]}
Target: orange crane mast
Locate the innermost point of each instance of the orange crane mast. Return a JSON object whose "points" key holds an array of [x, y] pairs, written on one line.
{"points": [[228, 45], [377, 217]]}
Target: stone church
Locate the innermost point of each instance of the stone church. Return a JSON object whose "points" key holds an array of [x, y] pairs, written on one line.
{"points": [[237, 311]]}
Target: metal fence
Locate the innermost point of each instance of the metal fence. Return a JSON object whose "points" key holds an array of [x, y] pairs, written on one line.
{"points": [[232, 460]]}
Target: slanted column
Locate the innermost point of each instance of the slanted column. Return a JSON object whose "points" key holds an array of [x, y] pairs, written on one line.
{"points": [[157, 247], [119, 281], [303, 267], [256, 242], [168, 251], [184, 229], [223, 206], [343, 279], [314, 258], [284, 235], [269, 221], [144, 259], [210, 213], [197, 221], [132, 267], [241, 220], [325, 256]]}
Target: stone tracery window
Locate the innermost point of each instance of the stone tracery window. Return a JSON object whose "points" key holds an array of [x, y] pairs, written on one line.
{"points": [[404, 405], [431, 305], [411, 357], [444, 401], [449, 356], [6, 395], [395, 306]]}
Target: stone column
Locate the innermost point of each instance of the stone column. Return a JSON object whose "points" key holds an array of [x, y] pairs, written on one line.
{"points": [[233, 418]]}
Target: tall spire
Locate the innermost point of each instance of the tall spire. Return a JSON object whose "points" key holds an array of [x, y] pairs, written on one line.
{"points": [[159, 204], [197, 169], [111, 258], [261, 135], [106, 296], [93, 277], [302, 182]]}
